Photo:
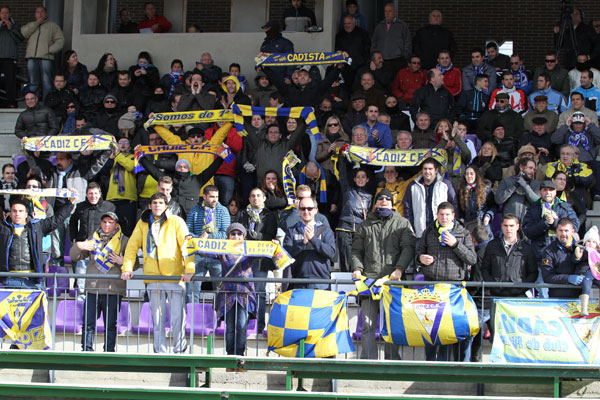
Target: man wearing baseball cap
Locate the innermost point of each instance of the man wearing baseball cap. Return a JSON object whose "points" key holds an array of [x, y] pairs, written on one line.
{"points": [[105, 250]]}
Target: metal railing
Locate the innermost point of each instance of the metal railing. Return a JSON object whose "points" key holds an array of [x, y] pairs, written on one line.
{"points": [[135, 330]]}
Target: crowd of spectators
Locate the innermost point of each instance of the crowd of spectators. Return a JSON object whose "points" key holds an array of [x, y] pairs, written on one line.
{"points": [[518, 176]]}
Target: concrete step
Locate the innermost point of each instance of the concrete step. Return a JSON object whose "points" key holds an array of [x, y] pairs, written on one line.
{"points": [[8, 119], [9, 146]]}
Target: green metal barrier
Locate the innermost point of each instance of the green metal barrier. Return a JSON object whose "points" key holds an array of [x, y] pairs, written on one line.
{"points": [[375, 370], [31, 390]]}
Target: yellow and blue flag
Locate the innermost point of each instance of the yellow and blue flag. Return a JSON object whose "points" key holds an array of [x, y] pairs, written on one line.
{"points": [[307, 113], [289, 180], [429, 315], [311, 58], [370, 286], [24, 319], [317, 316]]}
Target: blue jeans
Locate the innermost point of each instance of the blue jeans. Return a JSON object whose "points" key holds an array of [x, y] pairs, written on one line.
{"points": [[226, 185], [236, 320], [203, 265], [40, 76], [22, 283], [260, 289], [109, 305]]}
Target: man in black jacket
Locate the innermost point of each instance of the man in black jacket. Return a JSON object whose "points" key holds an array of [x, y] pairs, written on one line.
{"points": [[60, 97], [433, 38], [434, 99], [509, 259], [356, 42], [21, 238], [36, 120]]}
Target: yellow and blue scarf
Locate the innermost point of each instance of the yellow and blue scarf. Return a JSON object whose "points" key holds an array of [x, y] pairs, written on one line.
{"points": [[289, 181], [101, 255], [322, 183], [307, 113], [311, 58], [442, 231]]}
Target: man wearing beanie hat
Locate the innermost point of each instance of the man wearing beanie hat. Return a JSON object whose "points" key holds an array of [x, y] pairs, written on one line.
{"points": [[511, 120], [384, 244], [274, 42], [104, 248], [107, 118], [505, 145]]}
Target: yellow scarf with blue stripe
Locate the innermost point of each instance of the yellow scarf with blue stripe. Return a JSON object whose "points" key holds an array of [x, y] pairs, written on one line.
{"points": [[101, 255], [322, 183], [289, 180]]}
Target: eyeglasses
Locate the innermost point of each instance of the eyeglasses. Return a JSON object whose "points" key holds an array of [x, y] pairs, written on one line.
{"points": [[32, 187], [236, 233], [110, 102], [416, 62], [384, 198], [333, 124], [596, 25], [70, 106], [306, 208], [550, 61]]}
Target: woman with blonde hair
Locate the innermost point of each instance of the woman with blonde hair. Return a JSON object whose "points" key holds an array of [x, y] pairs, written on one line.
{"points": [[334, 137], [487, 163]]}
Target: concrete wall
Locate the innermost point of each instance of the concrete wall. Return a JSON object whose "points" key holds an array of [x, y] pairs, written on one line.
{"points": [[225, 47]]}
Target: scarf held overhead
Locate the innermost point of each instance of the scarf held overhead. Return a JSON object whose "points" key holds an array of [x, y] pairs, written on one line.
{"points": [[66, 193], [70, 144], [312, 58], [307, 113], [189, 117], [248, 248], [400, 158], [214, 149], [322, 183]]}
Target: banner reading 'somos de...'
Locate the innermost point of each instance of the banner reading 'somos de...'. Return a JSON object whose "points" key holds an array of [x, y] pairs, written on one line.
{"points": [[545, 331]]}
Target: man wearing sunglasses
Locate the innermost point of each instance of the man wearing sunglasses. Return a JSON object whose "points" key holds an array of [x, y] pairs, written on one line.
{"points": [[384, 244], [312, 244], [559, 76]]}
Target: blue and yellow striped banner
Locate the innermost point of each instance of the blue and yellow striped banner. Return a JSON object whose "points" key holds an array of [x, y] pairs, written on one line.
{"points": [[24, 319], [189, 117], [66, 193], [399, 158], [249, 248], [70, 144], [429, 315], [319, 317], [307, 113], [311, 58]]}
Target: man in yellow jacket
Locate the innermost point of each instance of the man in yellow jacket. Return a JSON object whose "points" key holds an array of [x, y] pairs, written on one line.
{"points": [[161, 237], [198, 161]]}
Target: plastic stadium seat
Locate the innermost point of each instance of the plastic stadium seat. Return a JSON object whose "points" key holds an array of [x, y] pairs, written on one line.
{"points": [[62, 284], [358, 334], [145, 324], [69, 316], [205, 319], [123, 319]]}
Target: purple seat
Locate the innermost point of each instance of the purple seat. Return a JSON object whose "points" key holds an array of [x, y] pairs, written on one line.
{"points": [[123, 320], [145, 324], [62, 284], [67, 249], [358, 334], [252, 328], [18, 159], [205, 319], [69, 316]]}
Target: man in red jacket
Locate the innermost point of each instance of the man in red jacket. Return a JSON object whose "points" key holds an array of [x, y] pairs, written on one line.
{"points": [[408, 80], [157, 23], [452, 75]]}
